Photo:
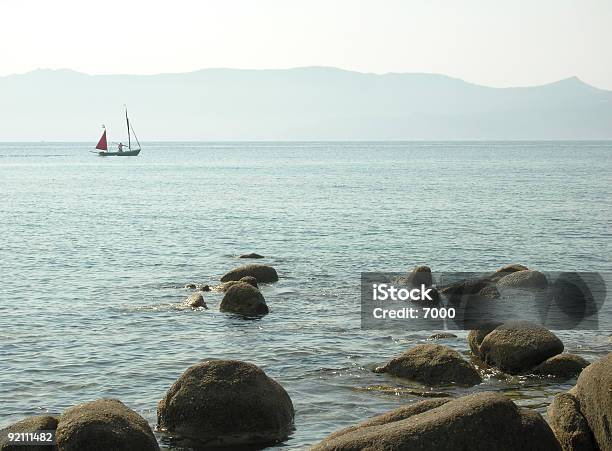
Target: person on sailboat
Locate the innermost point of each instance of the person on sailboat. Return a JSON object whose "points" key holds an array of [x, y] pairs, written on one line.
{"points": [[120, 147]]}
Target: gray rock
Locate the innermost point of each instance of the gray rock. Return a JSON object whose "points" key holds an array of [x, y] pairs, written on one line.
{"points": [[37, 423], [103, 425], [196, 300], [251, 255], [593, 391], [563, 366], [262, 273], [525, 280], [190, 286], [226, 403], [568, 424], [432, 364], [480, 422], [516, 347], [244, 299]]}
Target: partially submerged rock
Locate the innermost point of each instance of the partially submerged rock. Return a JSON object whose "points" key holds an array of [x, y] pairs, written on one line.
{"points": [[251, 255], [38, 423], [244, 299], [524, 280], [226, 403], [196, 300], [432, 364], [515, 347], [441, 336], [483, 421], [102, 425], [564, 366], [420, 275], [263, 273], [569, 425]]}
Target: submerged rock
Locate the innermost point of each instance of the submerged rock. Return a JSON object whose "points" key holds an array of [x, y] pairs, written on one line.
{"points": [[102, 425], [569, 425], [38, 423], [244, 299], [432, 364], [563, 366], [226, 403], [515, 347], [263, 273], [251, 255], [441, 336], [483, 421], [196, 300]]}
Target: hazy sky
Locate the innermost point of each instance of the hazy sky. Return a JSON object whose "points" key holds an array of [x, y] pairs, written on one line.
{"points": [[491, 42]]}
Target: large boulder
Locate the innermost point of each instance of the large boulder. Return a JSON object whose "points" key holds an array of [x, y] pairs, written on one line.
{"points": [[516, 347], [263, 273], [524, 280], [37, 423], [483, 421], [226, 403], [593, 391], [102, 425], [432, 364], [563, 366], [244, 299], [569, 425]]}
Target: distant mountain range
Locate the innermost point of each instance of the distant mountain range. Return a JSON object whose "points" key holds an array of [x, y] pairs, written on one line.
{"points": [[310, 103]]}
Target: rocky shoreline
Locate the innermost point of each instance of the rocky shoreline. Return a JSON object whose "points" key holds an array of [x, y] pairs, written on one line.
{"points": [[231, 403]]}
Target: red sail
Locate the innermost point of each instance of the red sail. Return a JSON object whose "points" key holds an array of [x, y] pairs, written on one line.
{"points": [[102, 143]]}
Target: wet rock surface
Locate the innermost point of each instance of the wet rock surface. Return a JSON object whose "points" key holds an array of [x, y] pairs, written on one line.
{"points": [[432, 364], [226, 403]]}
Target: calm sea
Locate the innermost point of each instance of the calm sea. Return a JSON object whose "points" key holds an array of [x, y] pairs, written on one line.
{"points": [[95, 252]]}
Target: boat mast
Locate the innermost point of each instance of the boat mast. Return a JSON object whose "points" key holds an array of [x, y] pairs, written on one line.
{"points": [[127, 121]]}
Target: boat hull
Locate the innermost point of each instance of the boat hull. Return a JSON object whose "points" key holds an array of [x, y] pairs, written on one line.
{"points": [[127, 153]]}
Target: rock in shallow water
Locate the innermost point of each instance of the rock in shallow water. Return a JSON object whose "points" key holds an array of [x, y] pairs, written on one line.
{"points": [[226, 403], [483, 421], [37, 423], [432, 364], [263, 273], [244, 299], [102, 425], [564, 366], [524, 280], [251, 255], [196, 300], [515, 347], [441, 336]]}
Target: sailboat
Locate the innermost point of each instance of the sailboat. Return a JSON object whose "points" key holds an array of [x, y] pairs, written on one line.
{"points": [[102, 145]]}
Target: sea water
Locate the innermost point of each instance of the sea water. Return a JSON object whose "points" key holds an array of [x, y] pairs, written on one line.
{"points": [[95, 253]]}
